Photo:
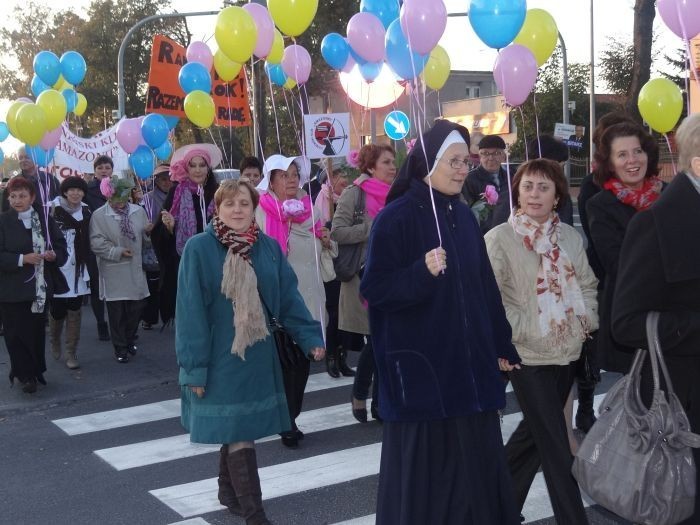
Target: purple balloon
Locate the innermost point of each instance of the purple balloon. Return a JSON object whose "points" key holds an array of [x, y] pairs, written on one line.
{"points": [[349, 65], [515, 73], [266, 29], [296, 63], [686, 26], [423, 22], [199, 52], [129, 134], [51, 138], [366, 36]]}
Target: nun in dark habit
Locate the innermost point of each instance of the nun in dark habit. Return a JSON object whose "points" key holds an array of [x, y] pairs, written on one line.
{"points": [[441, 341]]}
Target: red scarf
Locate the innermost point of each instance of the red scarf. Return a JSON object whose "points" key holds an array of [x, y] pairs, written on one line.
{"points": [[376, 192], [639, 199]]}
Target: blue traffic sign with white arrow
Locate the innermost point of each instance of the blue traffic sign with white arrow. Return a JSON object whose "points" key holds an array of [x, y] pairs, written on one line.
{"points": [[397, 125]]}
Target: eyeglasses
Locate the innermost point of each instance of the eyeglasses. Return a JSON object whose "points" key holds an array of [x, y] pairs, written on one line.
{"points": [[490, 154], [457, 164]]}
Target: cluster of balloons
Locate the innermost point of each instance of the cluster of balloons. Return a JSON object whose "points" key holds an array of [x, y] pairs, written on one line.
{"points": [[146, 139], [404, 37], [38, 123], [4, 133], [195, 81]]}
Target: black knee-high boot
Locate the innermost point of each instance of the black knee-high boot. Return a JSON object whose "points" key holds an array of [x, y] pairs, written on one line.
{"points": [[243, 470]]}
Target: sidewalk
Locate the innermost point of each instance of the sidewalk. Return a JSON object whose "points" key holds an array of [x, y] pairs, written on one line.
{"points": [[100, 374]]}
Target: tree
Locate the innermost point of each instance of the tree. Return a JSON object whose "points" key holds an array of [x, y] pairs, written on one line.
{"points": [[644, 13], [614, 65]]}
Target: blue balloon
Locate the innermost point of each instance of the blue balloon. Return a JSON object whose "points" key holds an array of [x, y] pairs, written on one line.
{"points": [[2, 157], [4, 131], [386, 10], [194, 76], [73, 67], [154, 129], [358, 59], [47, 67], [39, 86], [370, 71], [497, 22], [41, 157], [172, 121], [335, 50], [276, 74], [142, 161], [164, 151], [406, 63], [71, 98]]}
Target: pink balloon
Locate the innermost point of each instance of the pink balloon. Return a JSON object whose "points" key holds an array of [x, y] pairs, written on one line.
{"points": [[423, 22], [266, 29], [515, 73], [129, 134], [366, 36], [349, 64], [199, 52], [296, 63], [688, 25], [51, 138]]}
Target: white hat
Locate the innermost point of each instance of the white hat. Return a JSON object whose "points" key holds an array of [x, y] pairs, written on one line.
{"points": [[280, 162]]}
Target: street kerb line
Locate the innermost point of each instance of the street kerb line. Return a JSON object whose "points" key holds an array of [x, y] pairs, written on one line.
{"points": [[200, 497], [178, 447], [150, 412]]}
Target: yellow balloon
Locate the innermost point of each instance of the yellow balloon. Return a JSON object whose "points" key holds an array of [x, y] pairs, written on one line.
{"points": [[277, 49], [236, 33], [539, 34], [437, 69], [62, 84], [80, 105], [290, 83], [660, 103], [226, 69], [11, 117], [31, 124], [200, 109], [54, 105], [293, 17]]}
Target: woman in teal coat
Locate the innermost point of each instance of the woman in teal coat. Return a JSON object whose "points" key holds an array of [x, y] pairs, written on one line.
{"points": [[231, 379]]}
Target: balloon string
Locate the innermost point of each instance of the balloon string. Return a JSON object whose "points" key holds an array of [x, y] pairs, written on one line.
{"points": [[274, 111], [256, 122], [439, 104], [686, 41], [510, 186], [670, 153], [44, 193], [522, 117], [537, 122], [290, 110]]}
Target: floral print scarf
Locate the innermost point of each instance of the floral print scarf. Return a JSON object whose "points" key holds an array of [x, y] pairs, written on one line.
{"points": [[184, 212], [38, 246], [639, 199], [562, 311]]}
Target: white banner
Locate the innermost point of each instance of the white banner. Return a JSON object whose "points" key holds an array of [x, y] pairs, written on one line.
{"points": [[75, 155], [327, 135]]}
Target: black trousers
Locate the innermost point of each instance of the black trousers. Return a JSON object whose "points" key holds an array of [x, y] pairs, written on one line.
{"points": [[366, 375], [541, 440], [124, 317], [332, 298], [152, 310], [97, 304], [59, 306], [295, 379], [25, 337]]}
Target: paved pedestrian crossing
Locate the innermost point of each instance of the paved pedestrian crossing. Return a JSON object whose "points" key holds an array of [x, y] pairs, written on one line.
{"points": [[195, 500]]}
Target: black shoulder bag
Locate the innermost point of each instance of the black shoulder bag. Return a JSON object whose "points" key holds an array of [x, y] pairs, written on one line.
{"points": [[289, 352]]}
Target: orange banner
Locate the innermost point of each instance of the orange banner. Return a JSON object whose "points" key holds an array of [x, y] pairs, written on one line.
{"points": [[165, 95]]}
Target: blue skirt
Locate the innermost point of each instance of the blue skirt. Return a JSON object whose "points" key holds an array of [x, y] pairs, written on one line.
{"points": [[448, 471]]}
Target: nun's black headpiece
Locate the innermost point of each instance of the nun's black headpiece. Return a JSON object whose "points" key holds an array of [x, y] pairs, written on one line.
{"points": [[415, 167]]}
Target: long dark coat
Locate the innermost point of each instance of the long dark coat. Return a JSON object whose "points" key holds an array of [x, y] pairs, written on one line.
{"points": [[659, 271]]}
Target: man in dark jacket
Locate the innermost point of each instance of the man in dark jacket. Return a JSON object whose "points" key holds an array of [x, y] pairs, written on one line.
{"points": [[492, 152], [38, 178], [659, 271], [103, 168]]}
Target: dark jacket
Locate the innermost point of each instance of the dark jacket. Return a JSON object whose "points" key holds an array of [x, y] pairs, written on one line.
{"points": [[17, 282], [436, 339], [608, 219], [587, 190], [475, 185], [94, 198], [53, 187], [659, 271]]}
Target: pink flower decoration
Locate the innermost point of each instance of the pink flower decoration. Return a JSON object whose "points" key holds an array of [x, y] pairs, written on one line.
{"points": [[490, 195], [354, 158], [292, 208], [106, 188], [410, 144]]}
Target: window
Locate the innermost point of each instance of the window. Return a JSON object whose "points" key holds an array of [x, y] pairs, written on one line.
{"points": [[472, 91]]}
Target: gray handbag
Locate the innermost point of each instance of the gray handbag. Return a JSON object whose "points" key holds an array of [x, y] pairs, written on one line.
{"points": [[638, 462]]}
